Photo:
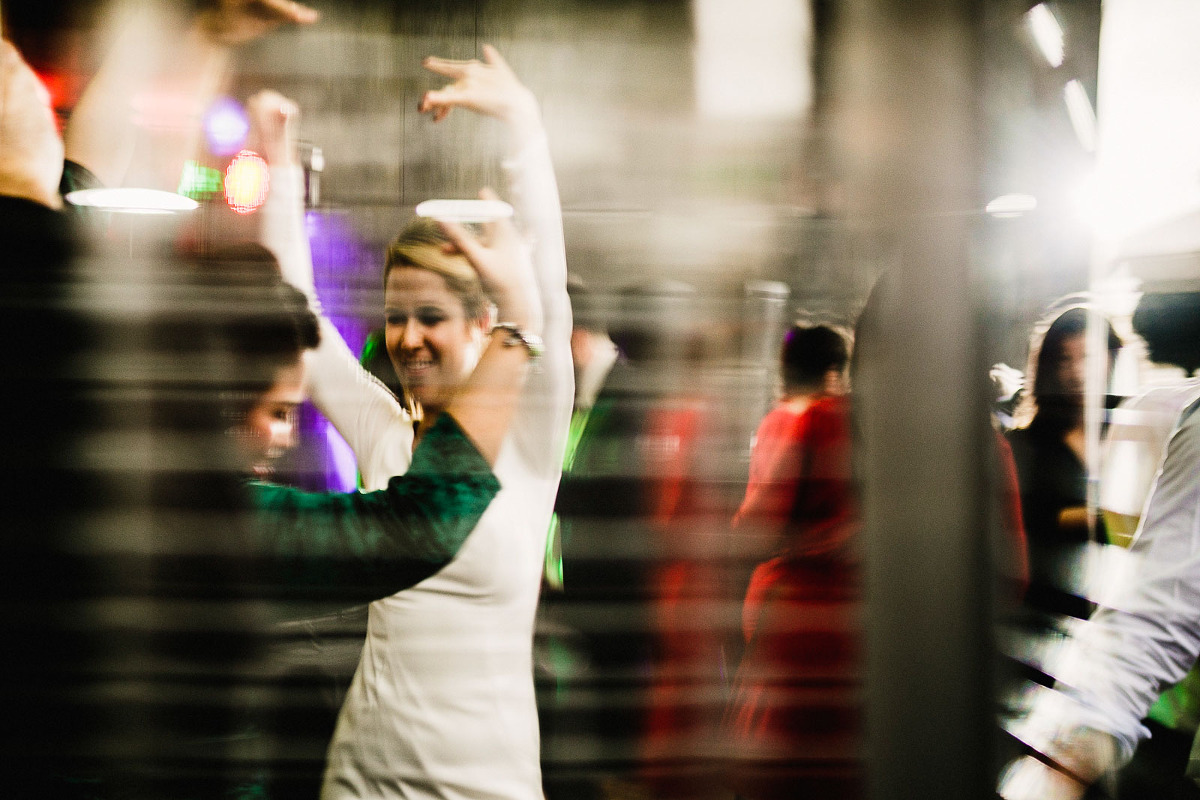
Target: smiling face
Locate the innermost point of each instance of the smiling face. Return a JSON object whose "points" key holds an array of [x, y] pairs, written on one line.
{"points": [[268, 430], [431, 341]]}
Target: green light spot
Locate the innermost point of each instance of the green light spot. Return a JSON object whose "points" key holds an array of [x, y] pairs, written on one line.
{"points": [[199, 182]]}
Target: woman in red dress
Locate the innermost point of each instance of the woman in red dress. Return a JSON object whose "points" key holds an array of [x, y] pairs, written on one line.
{"points": [[794, 714]]}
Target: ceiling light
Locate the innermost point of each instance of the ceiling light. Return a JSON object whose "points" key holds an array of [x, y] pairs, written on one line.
{"points": [[1083, 116], [127, 200], [1011, 205], [1047, 33]]}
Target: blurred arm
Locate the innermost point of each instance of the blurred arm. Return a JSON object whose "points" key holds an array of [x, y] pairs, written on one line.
{"points": [[491, 88], [377, 543], [159, 77], [1144, 638], [30, 151]]}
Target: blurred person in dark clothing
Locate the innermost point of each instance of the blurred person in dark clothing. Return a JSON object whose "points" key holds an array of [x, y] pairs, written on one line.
{"points": [[592, 351], [100, 664], [1048, 447], [558, 654], [48, 414], [638, 570], [593, 355]]}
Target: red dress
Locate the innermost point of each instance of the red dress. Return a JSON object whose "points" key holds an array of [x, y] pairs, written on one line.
{"points": [[794, 719], [684, 706]]}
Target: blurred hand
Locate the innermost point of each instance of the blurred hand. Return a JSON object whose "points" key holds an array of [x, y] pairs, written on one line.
{"points": [[273, 121], [31, 151], [1084, 756], [234, 22], [504, 268], [1030, 779], [487, 87]]}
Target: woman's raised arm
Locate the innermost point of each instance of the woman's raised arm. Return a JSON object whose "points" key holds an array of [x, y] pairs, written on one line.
{"points": [[368, 416], [491, 88]]}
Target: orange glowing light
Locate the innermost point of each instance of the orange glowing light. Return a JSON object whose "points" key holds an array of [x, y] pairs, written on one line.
{"points": [[246, 182]]}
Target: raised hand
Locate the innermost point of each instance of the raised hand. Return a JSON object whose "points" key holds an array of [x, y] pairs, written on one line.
{"points": [[233, 22], [160, 53], [273, 121], [504, 267], [1030, 779], [486, 403], [31, 152], [487, 87]]}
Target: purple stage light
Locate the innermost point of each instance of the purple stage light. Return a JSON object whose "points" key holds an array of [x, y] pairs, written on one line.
{"points": [[342, 265], [226, 126]]}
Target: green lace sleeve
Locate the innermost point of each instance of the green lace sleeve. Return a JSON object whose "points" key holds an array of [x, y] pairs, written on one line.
{"points": [[380, 541]]}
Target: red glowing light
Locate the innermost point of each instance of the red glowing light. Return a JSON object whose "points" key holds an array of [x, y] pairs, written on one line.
{"points": [[53, 92], [246, 182]]}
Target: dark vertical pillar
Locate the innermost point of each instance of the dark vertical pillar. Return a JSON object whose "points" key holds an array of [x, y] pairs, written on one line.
{"points": [[905, 94]]}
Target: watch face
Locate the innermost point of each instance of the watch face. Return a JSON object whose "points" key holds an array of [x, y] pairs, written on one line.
{"points": [[464, 211]]}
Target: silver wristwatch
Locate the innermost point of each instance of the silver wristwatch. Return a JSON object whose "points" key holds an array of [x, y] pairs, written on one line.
{"points": [[530, 341]]}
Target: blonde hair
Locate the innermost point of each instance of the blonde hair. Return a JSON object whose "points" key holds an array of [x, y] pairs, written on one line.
{"points": [[422, 245]]}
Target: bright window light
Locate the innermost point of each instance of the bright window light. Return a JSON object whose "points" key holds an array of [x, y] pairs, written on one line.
{"points": [[1083, 116], [131, 201], [1047, 33], [1148, 120], [1096, 201], [748, 68]]}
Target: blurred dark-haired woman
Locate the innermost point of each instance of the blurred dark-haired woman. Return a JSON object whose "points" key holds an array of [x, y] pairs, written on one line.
{"points": [[1049, 448]]}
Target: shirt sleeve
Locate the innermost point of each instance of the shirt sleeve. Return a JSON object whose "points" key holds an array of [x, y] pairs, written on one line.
{"points": [[544, 415], [377, 543], [368, 416], [774, 470]]}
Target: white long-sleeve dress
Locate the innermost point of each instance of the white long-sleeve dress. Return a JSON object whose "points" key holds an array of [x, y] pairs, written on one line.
{"points": [[442, 703]]}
